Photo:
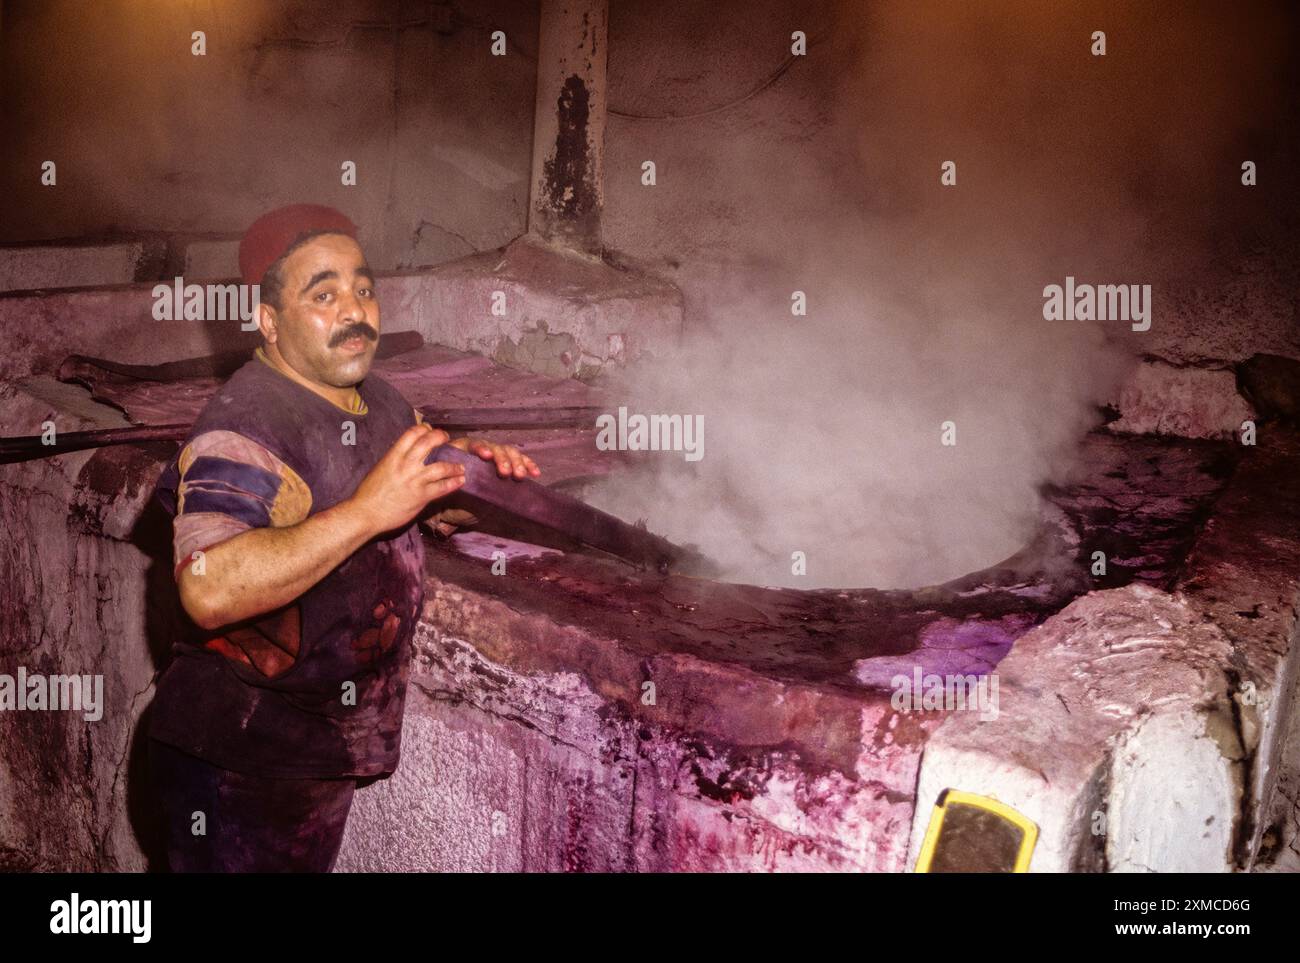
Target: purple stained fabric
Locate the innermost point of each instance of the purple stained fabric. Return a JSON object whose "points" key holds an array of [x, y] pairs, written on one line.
{"points": [[316, 689], [249, 824]]}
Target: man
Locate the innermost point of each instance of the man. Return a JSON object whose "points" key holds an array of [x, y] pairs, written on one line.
{"points": [[297, 555]]}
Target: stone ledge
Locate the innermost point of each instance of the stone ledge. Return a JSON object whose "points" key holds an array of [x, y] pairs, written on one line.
{"points": [[73, 265], [1191, 401], [561, 319], [1173, 720], [1243, 574], [563, 315], [113, 323], [1080, 683]]}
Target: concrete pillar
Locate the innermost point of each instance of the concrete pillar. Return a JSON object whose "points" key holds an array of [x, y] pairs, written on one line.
{"points": [[567, 191]]}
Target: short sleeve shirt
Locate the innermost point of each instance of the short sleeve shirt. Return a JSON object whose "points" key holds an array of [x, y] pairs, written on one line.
{"points": [[316, 688]]}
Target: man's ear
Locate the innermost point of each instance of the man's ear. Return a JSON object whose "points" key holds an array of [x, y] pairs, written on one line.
{"points": [[267, 322]]}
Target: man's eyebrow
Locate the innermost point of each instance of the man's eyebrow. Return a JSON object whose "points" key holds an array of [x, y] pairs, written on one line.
{"points": [[317, 278], [366, 273]]}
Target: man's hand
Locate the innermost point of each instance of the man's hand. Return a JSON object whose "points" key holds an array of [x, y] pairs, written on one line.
{"points": [[510, 460], [401, 485], [262, 569]]}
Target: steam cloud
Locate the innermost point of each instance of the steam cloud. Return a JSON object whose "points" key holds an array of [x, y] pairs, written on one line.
{"points": [[822, 433]]}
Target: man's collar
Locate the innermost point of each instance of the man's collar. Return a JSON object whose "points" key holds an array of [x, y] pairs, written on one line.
{"points": [[357, 407]]}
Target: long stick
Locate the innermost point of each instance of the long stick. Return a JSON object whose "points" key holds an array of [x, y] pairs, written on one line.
{"points": [[534, 502], [519, 497], [28, 447]]}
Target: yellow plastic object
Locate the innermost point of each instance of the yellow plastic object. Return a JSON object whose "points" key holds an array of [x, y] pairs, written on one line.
{"points": [[969, 833]]}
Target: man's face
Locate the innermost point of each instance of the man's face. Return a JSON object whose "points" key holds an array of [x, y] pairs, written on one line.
{"points": [[327, 328]]}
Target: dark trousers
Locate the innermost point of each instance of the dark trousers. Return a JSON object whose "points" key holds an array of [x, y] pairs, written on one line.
{"points": [[248, 823]]}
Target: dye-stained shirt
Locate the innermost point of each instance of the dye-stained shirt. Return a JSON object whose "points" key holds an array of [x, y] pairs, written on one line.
{"points": [[316, 688]]}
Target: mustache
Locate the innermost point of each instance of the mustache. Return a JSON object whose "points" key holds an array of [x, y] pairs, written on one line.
{"points": [[352, 330]]}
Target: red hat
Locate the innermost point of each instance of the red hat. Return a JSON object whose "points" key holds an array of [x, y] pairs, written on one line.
{"points": [[273, 234]]}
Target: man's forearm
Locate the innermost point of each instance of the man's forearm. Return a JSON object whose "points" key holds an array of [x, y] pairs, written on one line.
{"points": [[262, 569]]}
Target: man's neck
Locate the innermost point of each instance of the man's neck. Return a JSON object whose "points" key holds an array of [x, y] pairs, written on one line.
{"points": [[345, 398]]}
